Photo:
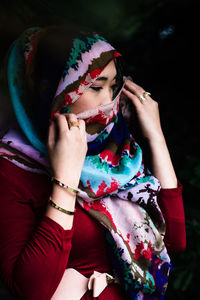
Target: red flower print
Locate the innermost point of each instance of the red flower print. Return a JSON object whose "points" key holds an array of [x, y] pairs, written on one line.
{"points": [[141, 252]]}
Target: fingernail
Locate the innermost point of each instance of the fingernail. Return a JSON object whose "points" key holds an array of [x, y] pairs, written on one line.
{"points": [[130, 78], [55, 115]]}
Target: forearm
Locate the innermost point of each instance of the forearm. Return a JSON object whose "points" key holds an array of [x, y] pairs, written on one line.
{"points": [[162, 166]]}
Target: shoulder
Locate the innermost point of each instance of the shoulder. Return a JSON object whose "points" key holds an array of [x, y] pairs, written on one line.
{"points": [[9, 170], [16, 180]]}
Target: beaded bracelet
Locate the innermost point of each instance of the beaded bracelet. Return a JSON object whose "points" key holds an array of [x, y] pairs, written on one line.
{"points": [[60, 208], [64, 185]]}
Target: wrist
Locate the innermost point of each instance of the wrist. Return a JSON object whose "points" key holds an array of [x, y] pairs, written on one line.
{"points": [[65, 186], [62, 197], [72, 179], [157, 141]]}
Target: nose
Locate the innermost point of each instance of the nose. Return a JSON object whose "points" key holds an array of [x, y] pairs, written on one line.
{"points": [[107, 96]]}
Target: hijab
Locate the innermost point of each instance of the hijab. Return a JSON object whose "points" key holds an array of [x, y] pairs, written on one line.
{"points": [[48, 70]]}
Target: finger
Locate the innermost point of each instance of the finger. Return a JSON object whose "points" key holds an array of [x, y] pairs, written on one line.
{"points": [[134, 85], [82, 126], [135, 100], [62, 124], [51, 134], [83, 132], [72, 118], [138, 90]]}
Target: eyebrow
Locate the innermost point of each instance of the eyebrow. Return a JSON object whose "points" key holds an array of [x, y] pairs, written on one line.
{"points": [[105, 78]]}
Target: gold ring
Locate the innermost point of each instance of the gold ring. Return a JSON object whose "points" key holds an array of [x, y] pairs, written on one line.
{"points": [[146, 94], [142, 97], [74, 124]]}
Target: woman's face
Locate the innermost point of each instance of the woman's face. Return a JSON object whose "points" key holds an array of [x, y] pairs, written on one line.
{"points": [[99, 93]]}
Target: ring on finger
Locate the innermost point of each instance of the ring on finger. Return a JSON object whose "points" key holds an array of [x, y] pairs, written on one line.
{"points": [[142, 97], [74, 124]]}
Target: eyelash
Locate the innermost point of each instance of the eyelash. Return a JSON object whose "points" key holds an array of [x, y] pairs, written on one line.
{"points": [[97, 89]]}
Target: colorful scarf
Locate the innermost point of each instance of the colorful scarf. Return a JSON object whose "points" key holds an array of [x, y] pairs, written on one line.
{"points": [[48, 69]]}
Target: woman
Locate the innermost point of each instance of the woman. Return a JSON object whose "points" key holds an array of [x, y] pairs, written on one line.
{"points": [[79, 209]]}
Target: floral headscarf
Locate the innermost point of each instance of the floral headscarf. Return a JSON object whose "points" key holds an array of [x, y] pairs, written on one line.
{"points": [[48, 70]]}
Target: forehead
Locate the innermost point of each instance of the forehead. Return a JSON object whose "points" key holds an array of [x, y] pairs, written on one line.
{"points": [[110, 69]]}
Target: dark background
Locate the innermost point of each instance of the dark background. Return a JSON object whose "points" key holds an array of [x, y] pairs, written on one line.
{"points": [[159, 42]]}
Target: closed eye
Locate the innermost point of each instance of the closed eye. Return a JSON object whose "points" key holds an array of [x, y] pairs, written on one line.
{"points": [[99, 88], [96, 88]]}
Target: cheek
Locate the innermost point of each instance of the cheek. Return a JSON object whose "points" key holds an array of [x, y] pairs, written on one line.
{"points": [[84, 102]]}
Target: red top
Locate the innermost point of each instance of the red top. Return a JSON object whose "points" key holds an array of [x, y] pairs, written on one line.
{"points": [[35, 250]]}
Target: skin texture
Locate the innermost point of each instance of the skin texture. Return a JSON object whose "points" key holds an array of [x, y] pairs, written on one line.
{"points": [[67, 146]]}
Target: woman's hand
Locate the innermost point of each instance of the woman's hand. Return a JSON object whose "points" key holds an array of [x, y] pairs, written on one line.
{"points": [[149, 119], [147, 112], [67, 147]]}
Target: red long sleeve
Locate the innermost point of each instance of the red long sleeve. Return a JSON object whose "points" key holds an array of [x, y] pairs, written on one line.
{"points": [[171, 205]]}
